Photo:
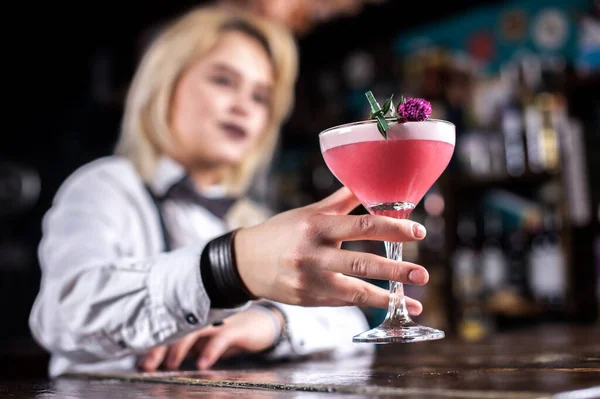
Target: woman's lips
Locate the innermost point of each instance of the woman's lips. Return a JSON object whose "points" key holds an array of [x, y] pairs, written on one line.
{"points": [[234, 131]]}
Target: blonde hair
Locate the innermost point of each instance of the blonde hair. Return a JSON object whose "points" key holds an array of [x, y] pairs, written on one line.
{"points": [[145, 131]]}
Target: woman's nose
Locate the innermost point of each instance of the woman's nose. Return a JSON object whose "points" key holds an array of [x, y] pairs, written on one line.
{"points": [[241, 104]]}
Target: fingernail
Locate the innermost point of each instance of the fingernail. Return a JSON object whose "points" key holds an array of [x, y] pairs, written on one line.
{"points": [[415, 311], [418, 230], [417, 276], [202, 364]]}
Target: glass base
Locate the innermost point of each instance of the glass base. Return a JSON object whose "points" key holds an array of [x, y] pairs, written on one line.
{"points": [[401, 333]]}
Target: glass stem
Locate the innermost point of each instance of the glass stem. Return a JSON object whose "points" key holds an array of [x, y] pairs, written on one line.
{"points": [[397, 311]]}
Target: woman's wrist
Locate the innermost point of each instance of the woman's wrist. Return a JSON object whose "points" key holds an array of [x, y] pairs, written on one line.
{"points": [[248, 261], [220, 276], [279, 323]]}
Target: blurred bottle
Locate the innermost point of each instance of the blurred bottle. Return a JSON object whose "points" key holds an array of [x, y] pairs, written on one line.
{"points": [[517, 252], [473, 153], [574, 165], [547, 264], [512, 130], [549, 149], [496, 154], [464, 260], [519, 118], [472, 316], [533, 128], [537, 99], [493, 260]]}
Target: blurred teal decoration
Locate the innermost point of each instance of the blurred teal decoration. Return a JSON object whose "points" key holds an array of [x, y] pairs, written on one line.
{"points": [[588, 58], [375, 316], [494, 35]]}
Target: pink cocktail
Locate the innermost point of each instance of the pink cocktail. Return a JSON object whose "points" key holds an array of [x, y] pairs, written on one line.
{"points": [[390, 176]]}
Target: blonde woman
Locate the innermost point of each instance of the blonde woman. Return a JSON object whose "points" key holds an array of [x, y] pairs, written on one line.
{"points": [[155, 254]]}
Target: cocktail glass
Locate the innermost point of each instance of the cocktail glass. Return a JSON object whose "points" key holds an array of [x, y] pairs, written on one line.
{"points": [[390, 176]]}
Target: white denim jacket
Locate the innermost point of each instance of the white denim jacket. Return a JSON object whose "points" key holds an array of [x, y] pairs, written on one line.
{"points": [[109, 292]]}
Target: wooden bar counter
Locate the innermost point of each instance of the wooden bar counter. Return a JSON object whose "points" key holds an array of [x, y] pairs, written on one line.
{"points": [[543, 362]]}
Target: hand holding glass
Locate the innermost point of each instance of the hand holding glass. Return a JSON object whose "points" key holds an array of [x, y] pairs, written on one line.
{"points": [[390, 176]]}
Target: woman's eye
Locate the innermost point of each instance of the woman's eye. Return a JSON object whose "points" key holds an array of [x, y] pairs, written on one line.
{"points": [[261, 98], [221, 80]]}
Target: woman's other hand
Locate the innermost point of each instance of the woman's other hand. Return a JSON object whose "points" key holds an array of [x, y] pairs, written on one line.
{"points": [[249, 331]]}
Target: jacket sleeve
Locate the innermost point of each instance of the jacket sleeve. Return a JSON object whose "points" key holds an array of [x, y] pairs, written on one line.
{"points": [[96, 301], [328, 331]]}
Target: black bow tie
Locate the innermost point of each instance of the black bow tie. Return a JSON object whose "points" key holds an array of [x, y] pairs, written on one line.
{"points": [[185, 190]]}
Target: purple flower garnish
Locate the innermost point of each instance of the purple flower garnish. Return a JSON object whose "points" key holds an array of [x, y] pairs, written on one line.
{"points": [[414, 110]]}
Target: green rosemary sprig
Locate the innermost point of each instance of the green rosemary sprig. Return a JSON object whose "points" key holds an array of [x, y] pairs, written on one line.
{"points": [[378, 113]]}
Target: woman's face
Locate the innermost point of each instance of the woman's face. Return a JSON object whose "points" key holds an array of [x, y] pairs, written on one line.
{"points": [[221, 104]]}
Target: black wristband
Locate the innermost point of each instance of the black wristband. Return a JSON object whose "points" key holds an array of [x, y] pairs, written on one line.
{"points": [[220, 276]]}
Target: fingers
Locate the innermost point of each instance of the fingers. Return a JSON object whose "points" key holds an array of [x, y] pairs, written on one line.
{"points": [[341, 202], [178, 351], [151, 360], [232, 351], [214, 348], [361, 293], [357, 292], [208, 331], [337, 228], [371, 266], [414, 307]]}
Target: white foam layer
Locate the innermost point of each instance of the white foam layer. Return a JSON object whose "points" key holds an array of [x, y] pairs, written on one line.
{"points": [[432, 129]]}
